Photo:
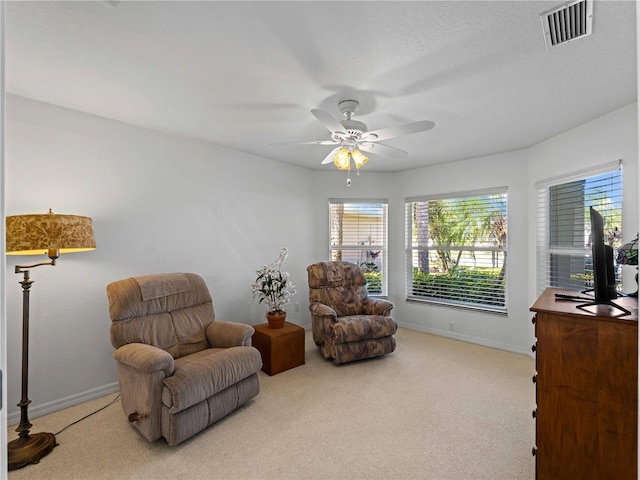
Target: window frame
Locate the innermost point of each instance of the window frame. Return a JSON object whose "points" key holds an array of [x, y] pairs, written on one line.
{"points": [[383, 247], [410, 248], [544, 249]]}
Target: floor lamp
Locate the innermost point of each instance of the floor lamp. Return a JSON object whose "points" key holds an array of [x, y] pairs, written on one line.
{"points": [[49, 234]]}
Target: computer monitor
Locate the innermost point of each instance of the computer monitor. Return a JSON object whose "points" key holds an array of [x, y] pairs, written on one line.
{"points": [[604, 277]]}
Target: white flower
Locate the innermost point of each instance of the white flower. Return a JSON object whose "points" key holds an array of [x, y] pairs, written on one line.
{"points": [[273, 286]]}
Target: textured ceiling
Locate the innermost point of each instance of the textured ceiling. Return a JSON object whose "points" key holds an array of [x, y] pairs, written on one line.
{"points": [[246, 74]]}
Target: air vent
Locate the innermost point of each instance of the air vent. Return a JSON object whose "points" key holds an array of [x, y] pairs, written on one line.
{"points": [[566, 23]]}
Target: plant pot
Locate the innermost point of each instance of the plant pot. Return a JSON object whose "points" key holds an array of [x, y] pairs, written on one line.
{"points": [[276, 320]]}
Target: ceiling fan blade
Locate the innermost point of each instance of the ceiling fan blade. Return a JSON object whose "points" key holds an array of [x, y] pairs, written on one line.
{"points": [[380, 149], [329, 121], [317, 142], [329, 158], [391, 132]]}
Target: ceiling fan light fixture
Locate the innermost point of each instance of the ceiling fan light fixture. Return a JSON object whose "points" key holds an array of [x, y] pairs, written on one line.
{"points": [[359, 158], [342, 159]]}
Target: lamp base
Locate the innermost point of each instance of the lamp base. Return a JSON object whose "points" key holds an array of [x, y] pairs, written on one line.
{"points": [[635, 294], [22, 452]]}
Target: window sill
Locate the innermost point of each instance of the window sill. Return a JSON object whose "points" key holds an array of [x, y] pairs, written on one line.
{"points": [[459, 306]]}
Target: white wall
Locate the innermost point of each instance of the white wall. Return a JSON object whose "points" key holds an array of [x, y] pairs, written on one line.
{"points": [[605, 139], [3, 310], [501, 170], [609, 138], [159, 204], [163, 204], [501, 331]]}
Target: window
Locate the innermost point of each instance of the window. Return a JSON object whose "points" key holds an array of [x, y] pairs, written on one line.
{"points": [[563, 230], [457, 249], [358, 230]]}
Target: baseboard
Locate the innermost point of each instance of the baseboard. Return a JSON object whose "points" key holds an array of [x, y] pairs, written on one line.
{"points": [[70, 401], [468, 339], [73, 400]]}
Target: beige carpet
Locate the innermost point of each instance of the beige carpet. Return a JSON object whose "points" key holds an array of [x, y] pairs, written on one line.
{"points": [[434, 409]]}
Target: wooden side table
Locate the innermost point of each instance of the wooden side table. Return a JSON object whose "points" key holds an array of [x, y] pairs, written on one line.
{"points": [[281, 348]]}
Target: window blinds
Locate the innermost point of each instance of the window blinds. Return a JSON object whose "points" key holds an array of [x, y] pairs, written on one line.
{"points": [[358, 234], [457, 249], [563, 228]]}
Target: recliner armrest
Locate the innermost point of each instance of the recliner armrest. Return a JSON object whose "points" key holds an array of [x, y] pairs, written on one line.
{"points": [[377, 306], [322, 310], [145, 358], [221, 334]]}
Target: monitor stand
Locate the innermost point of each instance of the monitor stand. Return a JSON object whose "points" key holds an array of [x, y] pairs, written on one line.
{"points": [[600, 302], [583, 306]]}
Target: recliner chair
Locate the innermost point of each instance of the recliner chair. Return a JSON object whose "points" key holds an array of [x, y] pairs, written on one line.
{"points": [[347, 324], [179, 369]]}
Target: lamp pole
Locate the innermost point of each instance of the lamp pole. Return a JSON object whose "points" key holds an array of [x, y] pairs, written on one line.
{"points": [[28, 448]]}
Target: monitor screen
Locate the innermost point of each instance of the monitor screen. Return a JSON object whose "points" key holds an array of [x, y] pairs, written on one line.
{"points": [[604, 279]]}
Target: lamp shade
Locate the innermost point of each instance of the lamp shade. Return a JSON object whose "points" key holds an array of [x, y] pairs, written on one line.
{"points": [[628, 253], [358, 158], [37, 234], [341, 160]]}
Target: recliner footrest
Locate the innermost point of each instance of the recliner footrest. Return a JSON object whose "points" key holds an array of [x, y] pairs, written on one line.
{"points": [[205, 376], [354, 328], [352, 351]]}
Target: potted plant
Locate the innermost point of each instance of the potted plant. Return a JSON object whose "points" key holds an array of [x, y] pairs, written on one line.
{"points": [[273, 287]]}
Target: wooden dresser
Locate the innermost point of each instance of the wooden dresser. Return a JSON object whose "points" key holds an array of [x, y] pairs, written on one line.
{"points": [[586, 389]]}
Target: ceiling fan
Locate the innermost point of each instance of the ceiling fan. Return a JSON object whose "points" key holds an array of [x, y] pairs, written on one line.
{"points": [[351, 137]]}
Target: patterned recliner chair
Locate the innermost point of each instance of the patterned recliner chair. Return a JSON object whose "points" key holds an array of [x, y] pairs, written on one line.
{"points": [[179, 369], [347, 324]]}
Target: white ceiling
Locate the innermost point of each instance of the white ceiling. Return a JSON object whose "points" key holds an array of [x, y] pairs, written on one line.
{"points": [[246, 74]]}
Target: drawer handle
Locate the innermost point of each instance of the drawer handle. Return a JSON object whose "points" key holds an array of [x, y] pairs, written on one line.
{"points": [[533, 347]]}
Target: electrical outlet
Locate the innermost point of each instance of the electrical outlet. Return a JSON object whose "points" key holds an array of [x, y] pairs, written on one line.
{"points": [[297, 305]]}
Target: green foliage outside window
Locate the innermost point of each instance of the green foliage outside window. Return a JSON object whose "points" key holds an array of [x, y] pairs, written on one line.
{"points": [[458, 250], [374, 282], [486, 285]]}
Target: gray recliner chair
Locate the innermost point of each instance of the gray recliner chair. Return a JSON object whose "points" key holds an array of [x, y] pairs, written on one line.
{"points": [[179, 369]]}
